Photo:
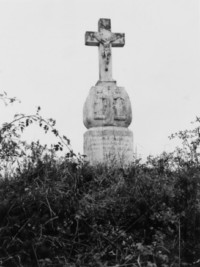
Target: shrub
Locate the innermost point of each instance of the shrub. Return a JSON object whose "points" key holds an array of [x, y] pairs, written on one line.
{"points": [[60, 211]]}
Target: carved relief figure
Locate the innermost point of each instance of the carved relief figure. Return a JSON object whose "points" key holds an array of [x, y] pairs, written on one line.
{"points": [[106, 52], [106, 38], [100, 107], [119, 109]]}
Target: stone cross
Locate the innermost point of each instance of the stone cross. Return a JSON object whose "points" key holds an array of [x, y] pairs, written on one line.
{"points": [[105, 39]]}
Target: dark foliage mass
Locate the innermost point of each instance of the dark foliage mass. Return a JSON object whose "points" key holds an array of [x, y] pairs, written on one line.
{"points": [[59, 211], [62, 213]]}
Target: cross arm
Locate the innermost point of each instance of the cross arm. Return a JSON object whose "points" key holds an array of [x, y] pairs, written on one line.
{"points": [[90, 39], [118, 40]]}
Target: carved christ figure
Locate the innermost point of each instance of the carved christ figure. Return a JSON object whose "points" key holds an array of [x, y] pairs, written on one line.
{"points": [[105, 39]]}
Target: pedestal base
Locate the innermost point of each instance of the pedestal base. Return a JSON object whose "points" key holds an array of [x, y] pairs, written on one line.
{"points": [[109, 145]]}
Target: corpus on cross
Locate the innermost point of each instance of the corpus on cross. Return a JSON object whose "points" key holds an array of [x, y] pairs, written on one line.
{"points": [[105, 39]]}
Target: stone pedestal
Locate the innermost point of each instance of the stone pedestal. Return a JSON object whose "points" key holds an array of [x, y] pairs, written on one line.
{"points": [[110, 144]]}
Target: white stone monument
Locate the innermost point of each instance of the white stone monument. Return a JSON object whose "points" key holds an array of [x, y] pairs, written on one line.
{"points": [[107, 111]]}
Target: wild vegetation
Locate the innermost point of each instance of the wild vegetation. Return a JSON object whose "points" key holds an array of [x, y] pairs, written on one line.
{"points": [[59, 211]]}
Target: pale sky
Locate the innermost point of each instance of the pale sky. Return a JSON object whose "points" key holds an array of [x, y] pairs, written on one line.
{"points": [[44, 62]]}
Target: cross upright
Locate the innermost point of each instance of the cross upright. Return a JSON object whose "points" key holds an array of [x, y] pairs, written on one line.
{"points": [[105, 39]]}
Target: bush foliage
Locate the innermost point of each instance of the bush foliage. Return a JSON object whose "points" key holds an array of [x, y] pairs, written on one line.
{"points": [[59, 211]]}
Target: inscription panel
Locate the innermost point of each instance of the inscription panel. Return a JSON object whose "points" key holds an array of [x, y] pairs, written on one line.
{"points": [[109, 145]]}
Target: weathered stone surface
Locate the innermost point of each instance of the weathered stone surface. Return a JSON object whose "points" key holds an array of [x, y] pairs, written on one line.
{"points": [[105, 39], [110, 145], [107, 111], [107, 105]]}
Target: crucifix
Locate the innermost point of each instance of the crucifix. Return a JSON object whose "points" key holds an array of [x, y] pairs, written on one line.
{"points": [[105, 39]]}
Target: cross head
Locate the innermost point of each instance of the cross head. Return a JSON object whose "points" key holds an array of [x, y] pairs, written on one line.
{"points": [[105, 39]]}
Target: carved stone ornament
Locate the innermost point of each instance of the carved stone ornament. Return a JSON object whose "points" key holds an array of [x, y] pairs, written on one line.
{"points": [[105, 40], [100, 106], [107, 106]]}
